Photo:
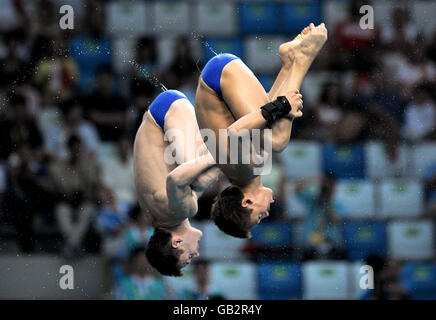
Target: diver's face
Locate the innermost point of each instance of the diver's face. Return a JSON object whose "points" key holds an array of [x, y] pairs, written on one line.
{"points": [[259, 203], [189, 245]]}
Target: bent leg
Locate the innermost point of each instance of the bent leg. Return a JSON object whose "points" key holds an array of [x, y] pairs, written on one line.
{"points": [[181, 129]]}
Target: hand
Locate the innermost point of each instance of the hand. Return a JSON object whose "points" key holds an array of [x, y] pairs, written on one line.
{"points": [[296, 101]]}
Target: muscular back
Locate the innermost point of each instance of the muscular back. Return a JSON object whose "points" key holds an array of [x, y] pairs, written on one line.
{"points": [[150, 170]]}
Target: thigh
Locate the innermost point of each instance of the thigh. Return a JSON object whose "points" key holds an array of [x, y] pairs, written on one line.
{"points": [[241, 90], [181, 130]]}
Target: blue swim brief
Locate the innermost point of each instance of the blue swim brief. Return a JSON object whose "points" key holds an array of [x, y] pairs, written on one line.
{"points": [[211, 73], [160, 106]]}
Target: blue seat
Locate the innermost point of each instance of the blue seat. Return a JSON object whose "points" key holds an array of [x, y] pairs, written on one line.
{"points": [[419, 278], [272, 234], [296, 16], [258, 17], [279, 281], [222, 45], [363, 239], [89, 54], [344, 161]]}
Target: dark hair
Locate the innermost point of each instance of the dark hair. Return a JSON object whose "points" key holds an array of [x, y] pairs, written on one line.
{"points": [[229, 215], [162, 256]]}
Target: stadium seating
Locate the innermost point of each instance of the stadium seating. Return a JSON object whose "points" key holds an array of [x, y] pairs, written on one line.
{"points": [[365, 238], [297, 15], [313, 84], [302, 159], [89, 54], [212, 46], [173, 17], [278, 281], [272, 234], [378, 164], [178, 284], [216, 18], [128, 18], [344, 161], [325, 280], [413, 240], [424, 155], [261, 53], [237, 280], [218, 245], [294, 207], [333, 12], [258, 17], [400, 198], [357, 198], [420, 280], [123, 48]]}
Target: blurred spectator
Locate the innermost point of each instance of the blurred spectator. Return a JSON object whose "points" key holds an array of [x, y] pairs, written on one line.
{"points": [[57, 129], [412, 68], [203, 289], [19, 128], [12, 65], [401, 31], [354, 46], [387, 281], [277, 182], [90, 47], [336, 121], [118, 171], [146, 60], [57, 69], [137, 232], [183, 65], [143, 94], [111, 220], [420, 119], [105, 107], [140, 282], [76, 179], [322, 234], [29, 191]]}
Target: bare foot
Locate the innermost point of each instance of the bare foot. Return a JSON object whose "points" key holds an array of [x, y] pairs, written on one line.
{"points": [[305, 50], [288, 47]]}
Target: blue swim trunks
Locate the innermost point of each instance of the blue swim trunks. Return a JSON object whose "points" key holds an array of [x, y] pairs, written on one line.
{"points": [[162, 104], [211, 73]]}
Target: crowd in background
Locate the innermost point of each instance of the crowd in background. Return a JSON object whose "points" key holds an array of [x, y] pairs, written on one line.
{"points": [[59, 109]]}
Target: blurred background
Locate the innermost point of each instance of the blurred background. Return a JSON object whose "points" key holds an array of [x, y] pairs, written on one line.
{"points": [[356, 186]]}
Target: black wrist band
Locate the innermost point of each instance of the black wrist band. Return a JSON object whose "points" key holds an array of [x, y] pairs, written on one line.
{"points": [[276, 109]]}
